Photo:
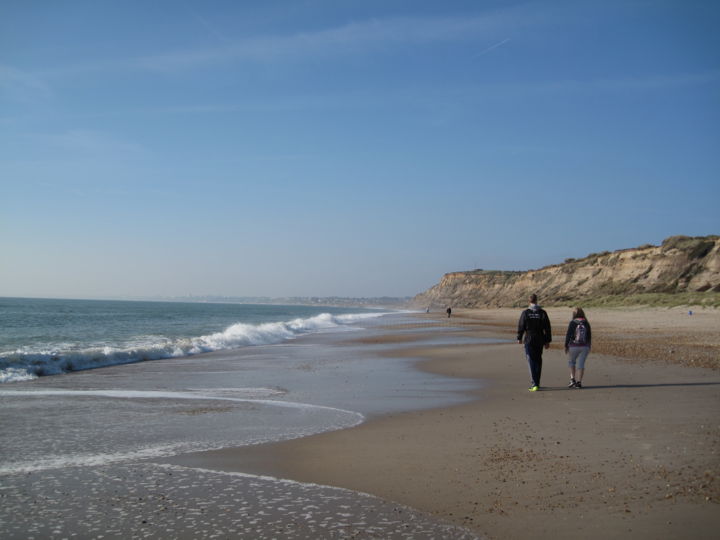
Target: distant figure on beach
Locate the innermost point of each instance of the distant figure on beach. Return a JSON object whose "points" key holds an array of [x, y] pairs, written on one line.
{"points": [[535, 333], [449, 311], [577, 346]]}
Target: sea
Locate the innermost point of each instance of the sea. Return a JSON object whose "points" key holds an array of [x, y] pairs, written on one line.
{"points": [[48, 336], [96, 394]]}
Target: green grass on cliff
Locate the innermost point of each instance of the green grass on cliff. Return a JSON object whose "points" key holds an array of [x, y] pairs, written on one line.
{"points": [[703, 299]]}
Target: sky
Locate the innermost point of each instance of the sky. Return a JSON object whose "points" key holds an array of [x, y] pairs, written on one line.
{"points": [[345, 148]]}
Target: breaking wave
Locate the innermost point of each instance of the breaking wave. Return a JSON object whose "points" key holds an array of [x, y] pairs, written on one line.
{"points": [[28, 363]]}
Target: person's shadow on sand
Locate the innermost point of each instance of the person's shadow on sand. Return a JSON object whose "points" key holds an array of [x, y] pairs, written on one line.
{"points": [[606, 386]]}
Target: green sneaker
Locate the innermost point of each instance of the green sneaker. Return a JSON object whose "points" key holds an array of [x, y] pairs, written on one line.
{"points": [[534, 388]]}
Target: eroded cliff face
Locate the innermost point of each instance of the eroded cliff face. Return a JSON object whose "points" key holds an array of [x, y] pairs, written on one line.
{"points": [[680, 264]]}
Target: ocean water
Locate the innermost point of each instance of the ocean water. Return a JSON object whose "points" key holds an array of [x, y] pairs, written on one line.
{"points": [[47, 337], [99, 394]]}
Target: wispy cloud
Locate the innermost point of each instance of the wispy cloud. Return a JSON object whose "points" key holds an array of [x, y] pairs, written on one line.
{"points": [[22, 86], [360, 37], [660, 82], [438, 104], [80, 142]]}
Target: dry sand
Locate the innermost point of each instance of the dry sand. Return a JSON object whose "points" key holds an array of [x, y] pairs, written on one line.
{"points": [[635, 454]]}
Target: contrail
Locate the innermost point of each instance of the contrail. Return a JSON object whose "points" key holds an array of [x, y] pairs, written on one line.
{"points": [[503, 42]]}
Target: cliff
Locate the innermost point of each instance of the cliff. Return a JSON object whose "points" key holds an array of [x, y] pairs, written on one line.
{"points": [[679, 265]]}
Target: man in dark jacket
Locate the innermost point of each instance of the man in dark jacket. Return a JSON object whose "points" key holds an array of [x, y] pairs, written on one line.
{"points": [[534, 326]]}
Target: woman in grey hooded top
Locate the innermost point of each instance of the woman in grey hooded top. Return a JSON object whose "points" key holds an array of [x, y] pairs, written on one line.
{"points": [[578, 340]]}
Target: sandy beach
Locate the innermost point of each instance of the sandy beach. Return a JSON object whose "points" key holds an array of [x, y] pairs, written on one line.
{"points": [[634, 454]]}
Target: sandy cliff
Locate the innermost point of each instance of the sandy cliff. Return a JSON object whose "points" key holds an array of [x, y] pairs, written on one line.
{"points": [[679, 264]]}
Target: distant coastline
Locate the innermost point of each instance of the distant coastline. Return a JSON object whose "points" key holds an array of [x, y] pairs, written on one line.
{"points": [[334, 301], [389, 302]]}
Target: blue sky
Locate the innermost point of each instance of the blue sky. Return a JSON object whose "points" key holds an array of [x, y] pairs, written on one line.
{"points": [[323, 147]]}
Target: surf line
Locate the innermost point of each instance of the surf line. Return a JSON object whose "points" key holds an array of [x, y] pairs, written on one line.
{"points": [[143, 453], [153, 394]]}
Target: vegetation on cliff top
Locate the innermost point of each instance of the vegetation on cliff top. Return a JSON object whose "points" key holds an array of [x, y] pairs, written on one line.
{"points": [[702, 299]]}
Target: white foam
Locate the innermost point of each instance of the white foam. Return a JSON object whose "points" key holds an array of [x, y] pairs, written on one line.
{"points": [[88, 460], [274, 479], [13, 374], [247, 393]]}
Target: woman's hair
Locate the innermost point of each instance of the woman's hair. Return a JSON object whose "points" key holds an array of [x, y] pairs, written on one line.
{"points": [[578, 313]]}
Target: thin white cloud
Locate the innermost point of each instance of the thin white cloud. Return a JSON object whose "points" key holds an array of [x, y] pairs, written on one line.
{"points": [[659, 81], [22, 86], [618, 84], [448, 100], [512, 90], [366, 36], [81, 142]]}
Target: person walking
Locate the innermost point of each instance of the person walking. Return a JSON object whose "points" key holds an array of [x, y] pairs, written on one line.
{"points": [[535, 333], [577, 346], [449, 311]]}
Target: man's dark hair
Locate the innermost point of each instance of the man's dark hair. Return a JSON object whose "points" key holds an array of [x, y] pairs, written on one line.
{"points": [[533, 298]]}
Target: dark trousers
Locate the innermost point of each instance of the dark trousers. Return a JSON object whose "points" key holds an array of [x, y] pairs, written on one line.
{"points": [[533, 352]]}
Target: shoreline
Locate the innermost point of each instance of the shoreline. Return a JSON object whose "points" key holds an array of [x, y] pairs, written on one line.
{"points": [[85, 452], [635, 454]]}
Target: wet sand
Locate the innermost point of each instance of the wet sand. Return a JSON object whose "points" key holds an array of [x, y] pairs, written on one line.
{"points": [[147, 500], [634, 454]]}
